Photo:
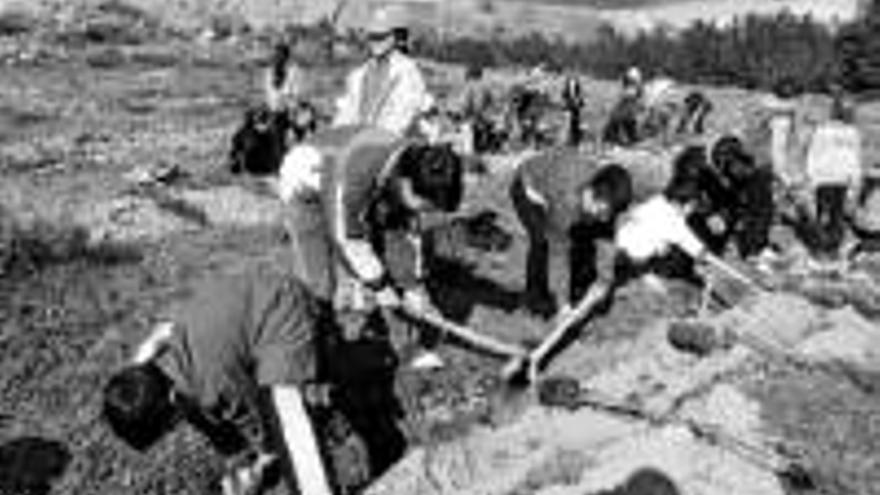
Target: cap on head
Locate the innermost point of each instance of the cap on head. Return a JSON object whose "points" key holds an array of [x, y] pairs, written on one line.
{"points": [[386, 20]]}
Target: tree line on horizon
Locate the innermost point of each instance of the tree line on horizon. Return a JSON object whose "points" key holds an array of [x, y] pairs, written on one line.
{"points": [[753, 51]]}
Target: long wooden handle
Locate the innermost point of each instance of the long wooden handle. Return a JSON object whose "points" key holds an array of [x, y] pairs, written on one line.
{"points": [[523, 369], [732, 272], [467, 335], [568, 320]]}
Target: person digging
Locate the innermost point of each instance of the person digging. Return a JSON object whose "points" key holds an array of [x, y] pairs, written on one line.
{"points": [[237, 362], [648, 231]]}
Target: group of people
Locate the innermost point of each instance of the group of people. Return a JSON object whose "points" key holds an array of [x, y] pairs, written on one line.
{"points": [[254, 355], [257, 357]]}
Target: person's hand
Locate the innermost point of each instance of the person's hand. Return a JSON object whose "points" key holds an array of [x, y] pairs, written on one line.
{"points": [[351, 296], [716, 224], [150, 347], [416, 301], [387, 298], [247, 478]]}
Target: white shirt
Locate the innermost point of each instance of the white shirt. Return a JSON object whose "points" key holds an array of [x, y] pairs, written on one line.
{"points": [[650, 228], [403, 99], [834, 154]]}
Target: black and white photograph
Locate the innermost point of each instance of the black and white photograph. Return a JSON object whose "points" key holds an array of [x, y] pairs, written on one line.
{"points": [[439, 247]]}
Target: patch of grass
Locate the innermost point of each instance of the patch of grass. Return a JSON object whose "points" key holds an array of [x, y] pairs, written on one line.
{"points": [[155, 59], [15, 23], [107, 58], [31, 247]]}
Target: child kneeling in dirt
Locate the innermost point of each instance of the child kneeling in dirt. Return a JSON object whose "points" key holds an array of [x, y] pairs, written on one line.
{"points": [[236, 363]]}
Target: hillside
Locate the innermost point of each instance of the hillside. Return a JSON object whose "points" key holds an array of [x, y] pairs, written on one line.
{"points": [[575, 20]]}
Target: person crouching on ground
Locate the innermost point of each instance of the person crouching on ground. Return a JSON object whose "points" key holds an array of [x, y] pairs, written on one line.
{"points": [[657, 228], [566, 201], [235, 362], [741, 196]]}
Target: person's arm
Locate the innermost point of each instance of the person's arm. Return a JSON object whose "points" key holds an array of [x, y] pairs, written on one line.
{"points": [[409, 99], [300, 441], [272, 92], [680, 235], [347, 103], [357, 253], [150, 347]]}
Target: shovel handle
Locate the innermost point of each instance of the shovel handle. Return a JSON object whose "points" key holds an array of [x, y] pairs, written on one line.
{"points": [[727, 269], [568, 319], [479, 341]]}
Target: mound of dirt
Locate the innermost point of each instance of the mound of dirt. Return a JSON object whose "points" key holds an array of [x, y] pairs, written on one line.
{"points": [[575, 453], [589, 450]]}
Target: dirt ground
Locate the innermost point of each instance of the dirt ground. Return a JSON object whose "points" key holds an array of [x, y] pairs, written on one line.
{"points": [[89, 262]]}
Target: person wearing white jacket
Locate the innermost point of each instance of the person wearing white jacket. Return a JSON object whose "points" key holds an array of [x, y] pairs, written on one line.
{"points": [[834, 173], [388, 90]]}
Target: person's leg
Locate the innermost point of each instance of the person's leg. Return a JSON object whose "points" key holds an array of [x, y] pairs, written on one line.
{"points": [[756, 217], [576, 129], [533, 219], [830, 203], [582, 262], [366, 393]]}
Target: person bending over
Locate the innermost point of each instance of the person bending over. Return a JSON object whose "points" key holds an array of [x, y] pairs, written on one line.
{"points": [[566, 202], [235, 362]]}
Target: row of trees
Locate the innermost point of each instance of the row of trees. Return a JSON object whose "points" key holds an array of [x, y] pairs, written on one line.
{"points": [[754, 52]]}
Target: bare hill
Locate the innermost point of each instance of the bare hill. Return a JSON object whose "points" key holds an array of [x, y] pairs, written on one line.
{"points": [[569, 19]]}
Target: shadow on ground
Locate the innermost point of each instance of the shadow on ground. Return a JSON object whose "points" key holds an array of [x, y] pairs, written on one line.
{"points": [[457, 290], [30, 465]]}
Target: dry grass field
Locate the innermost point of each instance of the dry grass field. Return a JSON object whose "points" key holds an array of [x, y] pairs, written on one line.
{"points": [[88, 263]]}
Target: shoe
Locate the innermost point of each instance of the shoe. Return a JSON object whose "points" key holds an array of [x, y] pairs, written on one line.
{"points": [[428, 360]]}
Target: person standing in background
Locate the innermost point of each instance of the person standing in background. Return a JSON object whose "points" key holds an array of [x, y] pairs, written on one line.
{"points": [[781, 125], [834, 175], [388, 90]]}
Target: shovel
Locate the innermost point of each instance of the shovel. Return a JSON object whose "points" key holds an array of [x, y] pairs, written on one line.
{"points": [[523, 369]]}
